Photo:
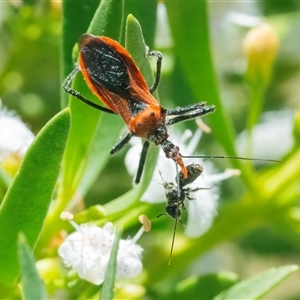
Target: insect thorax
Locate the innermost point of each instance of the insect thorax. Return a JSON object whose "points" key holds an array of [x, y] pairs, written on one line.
{"points": [[150, 124]]}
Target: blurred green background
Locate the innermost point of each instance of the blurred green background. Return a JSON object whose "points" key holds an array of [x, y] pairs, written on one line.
{"points": [[30, 37]]}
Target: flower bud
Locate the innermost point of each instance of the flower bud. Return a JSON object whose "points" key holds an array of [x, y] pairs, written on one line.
{"points": [[11, 163], [260, 46]]}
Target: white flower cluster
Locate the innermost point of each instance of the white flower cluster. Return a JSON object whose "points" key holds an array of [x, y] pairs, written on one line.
{"points": [[88, 250], [15, 137]]}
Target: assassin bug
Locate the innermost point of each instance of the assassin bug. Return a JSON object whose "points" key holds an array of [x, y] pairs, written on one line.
{"points": [[112, 75], [176, 195]]}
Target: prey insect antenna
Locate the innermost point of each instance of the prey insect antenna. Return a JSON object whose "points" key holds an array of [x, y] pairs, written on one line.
{"points": [[176, 193], [173, 241]]}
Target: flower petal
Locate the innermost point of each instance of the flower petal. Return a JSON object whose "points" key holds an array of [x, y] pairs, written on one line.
{"points": [[201, 213]]}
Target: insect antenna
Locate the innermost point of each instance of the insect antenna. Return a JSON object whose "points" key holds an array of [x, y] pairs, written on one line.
{"points": [[232, 157], [173, 241]]}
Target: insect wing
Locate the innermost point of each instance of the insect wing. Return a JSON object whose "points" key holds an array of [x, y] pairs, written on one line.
{"points": [[103, 65], [111, 73], [193, 171]]}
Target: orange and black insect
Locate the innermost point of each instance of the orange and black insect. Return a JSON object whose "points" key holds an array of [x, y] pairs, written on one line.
{"points": [[115, 79]]}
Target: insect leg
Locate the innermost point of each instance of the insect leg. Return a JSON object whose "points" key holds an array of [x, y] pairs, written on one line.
{"points": [[185, 109], [196, 113], [142, 162], [121, 143], [66, 87], [158, 69]]}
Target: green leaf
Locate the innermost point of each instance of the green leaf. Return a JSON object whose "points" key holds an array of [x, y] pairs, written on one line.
{"points": [[26, 203], [136, 46], [205, 287], [110, 275], [88, 146], [108, 19], [71, 30], [33, 286], [5, 180], [258, 285], [127, 200], [189, 25], [145, 12], [106, 136]]}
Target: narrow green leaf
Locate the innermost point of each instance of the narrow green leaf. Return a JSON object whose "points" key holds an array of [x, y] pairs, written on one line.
{"points": [[145, 12], [88, 143], [189, 25], [71, 30], [33, 286], [108, 19], [258, 285], [26, 203], [110, 275], [106, 136], [136, 46], [190, 30], [125, 201], [205, 287]]}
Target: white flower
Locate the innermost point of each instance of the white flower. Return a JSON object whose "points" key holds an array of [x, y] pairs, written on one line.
{"points": [[244, 20], [88, 249], [271, 139], [203, 209], [15, 137]]}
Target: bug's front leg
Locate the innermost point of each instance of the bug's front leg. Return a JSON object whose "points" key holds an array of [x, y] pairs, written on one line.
{"points": [[121, 143]]}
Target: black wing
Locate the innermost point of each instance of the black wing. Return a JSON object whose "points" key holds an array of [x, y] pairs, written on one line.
{"points": [[104, 64]]}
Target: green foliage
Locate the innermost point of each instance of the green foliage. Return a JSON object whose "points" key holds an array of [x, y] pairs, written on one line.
{"points": [[205, 287], [258, 285], [109, 282], [27, 200], [72, 149], [33, 286]]}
